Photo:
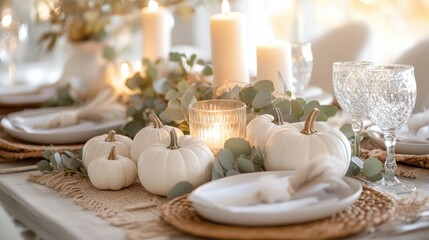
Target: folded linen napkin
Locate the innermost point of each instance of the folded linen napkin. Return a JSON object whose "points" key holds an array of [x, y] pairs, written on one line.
{"points": [[418, 121], [404, 134], [103, 108], [317, 182]]}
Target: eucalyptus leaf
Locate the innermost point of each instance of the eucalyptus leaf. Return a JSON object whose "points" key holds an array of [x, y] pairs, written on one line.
{"points": [[374, 178], [187, 100], [216, 175], [133, 127], [245, 166], [207, 71], [70, 154], [284, 106], [297, 110], [264, 85], [175, 114], [232, 172], [182, 87], [175, 57], [46, 154], [372, 166], [354, 169], [329, 110], [180, 189], [65, 161], [218, 168], [44, 166], [347, 130], [247, 94], [57, 158], [262, 99], [290, 118], [75, 164], [171, 94], [238, 146], [226, 158]]}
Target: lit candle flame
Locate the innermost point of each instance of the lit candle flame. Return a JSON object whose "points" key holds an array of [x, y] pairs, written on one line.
{"points": [[6, 20], [225, 7], [152, 5], [121, 86]]}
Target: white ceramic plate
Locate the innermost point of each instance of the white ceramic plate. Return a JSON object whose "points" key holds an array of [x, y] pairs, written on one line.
{"points": [[73, 134], [305, 214], [401, 147]]}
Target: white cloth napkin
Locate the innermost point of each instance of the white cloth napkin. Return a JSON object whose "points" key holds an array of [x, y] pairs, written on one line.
{"points": [[418, 121], [103, 108], [316, 183]]}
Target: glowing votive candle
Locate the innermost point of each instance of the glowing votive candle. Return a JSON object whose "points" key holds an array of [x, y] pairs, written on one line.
{"points": [[216, 121]]}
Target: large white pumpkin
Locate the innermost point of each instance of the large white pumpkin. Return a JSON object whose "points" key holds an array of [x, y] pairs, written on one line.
{"points": [[150, 135], [112, 172], [101, 145], [163, 165], [294, 146], [262, 127]]}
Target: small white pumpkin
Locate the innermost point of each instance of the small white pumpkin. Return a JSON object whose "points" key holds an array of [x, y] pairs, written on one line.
{"points": [[112, 171], [100, 146], [165, 164], [150, 135], [294, 146], [262, 127]]}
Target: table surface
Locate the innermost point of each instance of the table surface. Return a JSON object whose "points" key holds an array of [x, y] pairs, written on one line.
{"points": [[52, 216]]}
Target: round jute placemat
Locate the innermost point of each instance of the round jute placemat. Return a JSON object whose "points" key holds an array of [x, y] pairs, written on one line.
{"points": [[372, 209]]}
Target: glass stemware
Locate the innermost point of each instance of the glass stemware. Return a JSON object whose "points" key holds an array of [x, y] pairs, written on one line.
{"points": [[391, 99], [302, 66], [349, 87], [13, 38]]}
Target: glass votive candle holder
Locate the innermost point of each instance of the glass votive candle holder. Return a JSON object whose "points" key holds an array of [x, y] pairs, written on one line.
{"points": [[216, 121]]}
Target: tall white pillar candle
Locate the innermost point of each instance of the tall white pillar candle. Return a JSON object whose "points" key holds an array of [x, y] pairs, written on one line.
{"points": [[228, 42], [157, 23], [274, 57]]}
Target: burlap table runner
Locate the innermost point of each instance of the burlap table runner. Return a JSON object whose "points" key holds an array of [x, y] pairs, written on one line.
{"points": [[133, 209]]}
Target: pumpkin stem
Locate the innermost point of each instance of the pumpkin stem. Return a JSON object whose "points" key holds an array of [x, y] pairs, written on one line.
{"points": [[155, 120], [309, 122], [278, 117], [112, 154], [111, 136], [174, 144]]}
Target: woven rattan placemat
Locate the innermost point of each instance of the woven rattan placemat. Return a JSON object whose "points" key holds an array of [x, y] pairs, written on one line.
{"points": [[372, 208], [12, 149]]}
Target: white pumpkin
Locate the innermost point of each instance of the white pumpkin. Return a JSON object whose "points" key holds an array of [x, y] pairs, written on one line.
{"points": [[262, 127], [100, 146], [165, 164], [112, 172], [150, 135], [294, 146]]}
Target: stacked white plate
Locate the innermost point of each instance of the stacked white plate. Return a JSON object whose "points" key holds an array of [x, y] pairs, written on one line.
{"points": [[309, 208]]}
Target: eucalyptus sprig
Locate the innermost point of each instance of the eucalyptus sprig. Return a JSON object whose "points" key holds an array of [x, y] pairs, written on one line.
{"points": [[237, 157], [67, 161], [177, 91]]}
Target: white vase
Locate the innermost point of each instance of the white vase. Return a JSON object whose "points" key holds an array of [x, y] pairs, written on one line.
{"points": [[84, 69]]}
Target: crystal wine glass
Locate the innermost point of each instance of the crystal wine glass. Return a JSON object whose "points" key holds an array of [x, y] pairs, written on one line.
{"points": [[13, 39], [302, 66], [349, 87], [391, 99]]}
